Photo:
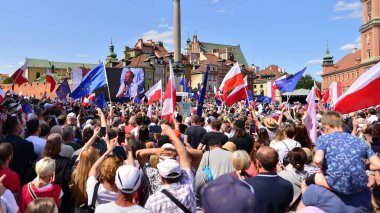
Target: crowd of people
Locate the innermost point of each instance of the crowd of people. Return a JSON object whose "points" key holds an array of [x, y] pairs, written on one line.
{"points": [[63, 157]]}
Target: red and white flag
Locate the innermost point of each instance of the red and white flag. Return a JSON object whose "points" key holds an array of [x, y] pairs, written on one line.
{"points": [[154, 93], [85, 102], [50, 79], [19, 76], [311, 118], [363, 93], [169, 100], [233, 79], [237, 94], [216, 92], [271, 90], [91, 97], [336, 91], [318, 93], [325, 96], [2, 95]]}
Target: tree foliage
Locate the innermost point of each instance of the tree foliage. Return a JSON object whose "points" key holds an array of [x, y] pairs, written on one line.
{"points": [[8, 80], [306, 82]]}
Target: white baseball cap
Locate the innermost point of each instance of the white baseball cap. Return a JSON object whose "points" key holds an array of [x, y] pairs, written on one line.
{"points": [[169, 168], [127, 179], [71, 115]]}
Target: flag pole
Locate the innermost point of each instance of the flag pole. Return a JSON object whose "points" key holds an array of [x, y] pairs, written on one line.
{"points": [[108, 87]]}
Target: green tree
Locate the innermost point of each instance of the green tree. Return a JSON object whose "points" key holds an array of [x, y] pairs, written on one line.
{"points": [[8, 80], [306, 82]]}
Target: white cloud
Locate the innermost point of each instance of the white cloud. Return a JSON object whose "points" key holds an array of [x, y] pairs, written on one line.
{"points": [[353, 15], [351, 46], [318, 73], [163, 26], [354, 8], [314, 62], [344, 6], [221, 10], [214, 1], [81, 55], [7, 66], [165, 36]]}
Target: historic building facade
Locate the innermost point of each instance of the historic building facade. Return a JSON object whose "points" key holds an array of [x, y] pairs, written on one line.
{"points": [[271, 73], [351, 66]]}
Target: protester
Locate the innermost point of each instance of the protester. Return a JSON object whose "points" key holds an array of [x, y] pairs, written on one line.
{"points": [[213, 135], [194, 133], [42, 205], [284, 146], [42, 186], [34, 131], [272, 193], [241, 139], [11, 180]]}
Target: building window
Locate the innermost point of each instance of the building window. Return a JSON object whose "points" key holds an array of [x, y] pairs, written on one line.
{"points": [[369, 7], [357, 73], [369, 53], [254, 86], [38, 75], [351, 75], [261, 86]]}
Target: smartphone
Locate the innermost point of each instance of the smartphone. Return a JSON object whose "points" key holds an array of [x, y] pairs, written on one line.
{"points": [[252, 128], [121, 137], [155, 129]]}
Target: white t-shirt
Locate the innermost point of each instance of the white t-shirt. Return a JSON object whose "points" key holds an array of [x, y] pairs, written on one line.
{"points": [[104, 195], [283, 147], [8, 202], [38, 143], [112, 207]]}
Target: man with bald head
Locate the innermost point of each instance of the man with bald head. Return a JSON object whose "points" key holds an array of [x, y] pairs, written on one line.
{"points": [[273, 194]]}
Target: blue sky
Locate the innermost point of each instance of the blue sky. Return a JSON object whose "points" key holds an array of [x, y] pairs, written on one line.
{"points": [[289, 33]]}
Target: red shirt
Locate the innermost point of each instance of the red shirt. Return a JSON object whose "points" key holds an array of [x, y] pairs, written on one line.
{"points": [[11, 181], [54, 191], [129, 128]]}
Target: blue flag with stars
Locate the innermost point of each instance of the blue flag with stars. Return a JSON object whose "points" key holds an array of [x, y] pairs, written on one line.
{"points": [[94, 79], [186, 88], [100, 101], [63, 90], [288, 84]]}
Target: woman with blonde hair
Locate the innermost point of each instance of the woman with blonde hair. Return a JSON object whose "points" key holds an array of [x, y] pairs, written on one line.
{"points": [[42, 186], [80, 174], [63, 168], [241, 161]]}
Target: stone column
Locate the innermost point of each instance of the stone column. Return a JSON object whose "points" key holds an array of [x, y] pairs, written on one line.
{"points": [[177, 31]]}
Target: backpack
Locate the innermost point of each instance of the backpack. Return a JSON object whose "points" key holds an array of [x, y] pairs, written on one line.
{"points": [[84, 208], [207, 169], [285, 160]]}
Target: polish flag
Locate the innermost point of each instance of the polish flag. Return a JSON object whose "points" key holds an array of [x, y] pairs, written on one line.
{"points": [[216, 93], [2, 95], [85, 102], [336, 91], [318, 93], [91, 97], [169, 100], [311, 118], [232, 80], [237, 94], [325, 96], [19, 76], [50, 79], [77, 75], [271, 90], [154, 93], [363, 93]]}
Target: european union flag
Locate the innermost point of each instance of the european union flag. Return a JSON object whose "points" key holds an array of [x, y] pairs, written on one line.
{"points": [[137, 100], [185, 86], [100, 101], [63, 90], [203, 93], [288, 84], [195, 96], [94, 79]]}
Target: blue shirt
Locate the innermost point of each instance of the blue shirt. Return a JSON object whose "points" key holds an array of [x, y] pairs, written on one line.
{"points": [[272, 193], [344, 163], [328, 201]]}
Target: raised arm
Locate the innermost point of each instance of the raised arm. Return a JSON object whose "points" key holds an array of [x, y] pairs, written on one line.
{"points": [[111, 144], [181, 150], [128, 150]]}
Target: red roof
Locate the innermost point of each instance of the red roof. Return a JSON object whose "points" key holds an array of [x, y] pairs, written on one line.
{"points": [[271, 70], [348, 61]]}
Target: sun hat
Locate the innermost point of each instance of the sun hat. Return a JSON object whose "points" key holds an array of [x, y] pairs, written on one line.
{"points": [[270, 123]]}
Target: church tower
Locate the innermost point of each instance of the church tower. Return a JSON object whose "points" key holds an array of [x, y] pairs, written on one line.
{"points": [[370, 31]]}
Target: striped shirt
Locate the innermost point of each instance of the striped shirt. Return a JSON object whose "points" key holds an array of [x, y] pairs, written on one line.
{"points": [[182, 190]]}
